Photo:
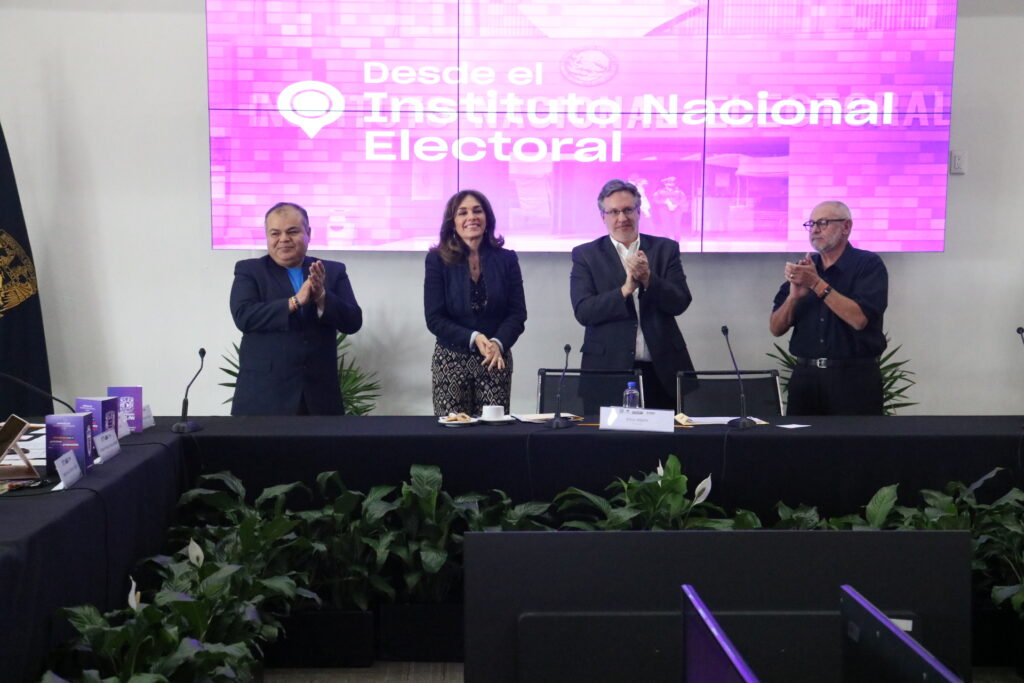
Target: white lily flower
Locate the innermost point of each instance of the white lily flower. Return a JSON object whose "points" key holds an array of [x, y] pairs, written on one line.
{"points": [[702, 492], [660, 470], [195, 553], [134, 596]]}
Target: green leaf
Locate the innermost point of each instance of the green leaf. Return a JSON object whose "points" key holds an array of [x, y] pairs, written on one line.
{"points": [[1001, 594], [280, 585], [433, 559], [147, 678], [381, 585], [597, 501], [531, 509], [218, 582], [187, 650], [745, 519], [278, 492], [84, 617], [228, 480], [425, 479], [880, 505]]}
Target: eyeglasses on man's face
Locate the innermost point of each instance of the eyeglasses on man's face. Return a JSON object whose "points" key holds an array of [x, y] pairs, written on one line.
{"points": [[822, 223], [628, 212]]}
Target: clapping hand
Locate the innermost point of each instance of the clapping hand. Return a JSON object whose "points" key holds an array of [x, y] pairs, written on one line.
{"points": [[639, 268], [317, 275], [801, 276], [491, 352]]}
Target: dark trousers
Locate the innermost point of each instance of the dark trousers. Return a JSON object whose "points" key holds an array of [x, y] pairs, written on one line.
{"points": [[835, 391], [656, 395]]}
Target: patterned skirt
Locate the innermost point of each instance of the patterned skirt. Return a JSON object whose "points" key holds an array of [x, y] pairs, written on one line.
{"points": [[462, 385]]}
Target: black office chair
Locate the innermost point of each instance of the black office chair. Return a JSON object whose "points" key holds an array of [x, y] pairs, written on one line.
{"points": [[716, 393], [585, 391]]}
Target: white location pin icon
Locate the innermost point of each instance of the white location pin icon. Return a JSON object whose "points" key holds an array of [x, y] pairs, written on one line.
{"points": [[311, 105]]}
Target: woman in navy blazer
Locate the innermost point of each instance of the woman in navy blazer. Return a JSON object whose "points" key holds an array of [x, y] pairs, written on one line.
{"points": [[474, 304]]}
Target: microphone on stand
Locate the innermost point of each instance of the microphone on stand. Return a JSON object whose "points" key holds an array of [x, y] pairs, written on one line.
{"points": [[36, 390], [741, 422], [559, 422], [1020, 331], [185, 426]]}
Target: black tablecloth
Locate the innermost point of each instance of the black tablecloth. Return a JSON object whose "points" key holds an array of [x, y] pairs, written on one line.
{"points": [[77, 547], [837, 463], [367, 451]]}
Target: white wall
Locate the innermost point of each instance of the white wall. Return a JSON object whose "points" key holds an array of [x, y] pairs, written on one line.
{"points": [[103, 103]]}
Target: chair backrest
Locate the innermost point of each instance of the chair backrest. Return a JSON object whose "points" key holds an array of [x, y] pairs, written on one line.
{"points": [[707, 393], [585, 391]]}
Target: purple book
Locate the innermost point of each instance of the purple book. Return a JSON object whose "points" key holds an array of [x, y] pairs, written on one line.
{"points": [[103, 409], [129, 403], [69, 432]]}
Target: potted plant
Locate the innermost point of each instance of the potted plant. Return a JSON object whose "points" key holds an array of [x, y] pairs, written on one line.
{"points": [[344, 569], [198, 626], [657, 501], [896, 379], [424, 561]]}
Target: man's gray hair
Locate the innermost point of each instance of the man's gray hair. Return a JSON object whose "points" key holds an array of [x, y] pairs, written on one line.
{"points": [[613, 186]]}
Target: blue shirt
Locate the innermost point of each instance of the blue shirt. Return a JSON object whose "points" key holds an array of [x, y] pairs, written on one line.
{"points": [[820, 333], [295, 275]]}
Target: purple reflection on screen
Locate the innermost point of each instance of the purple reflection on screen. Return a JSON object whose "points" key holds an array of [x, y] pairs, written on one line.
{"points": [[734, 118]]}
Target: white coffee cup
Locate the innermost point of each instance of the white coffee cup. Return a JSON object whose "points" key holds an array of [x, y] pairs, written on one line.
{"points": [[493, 413]]}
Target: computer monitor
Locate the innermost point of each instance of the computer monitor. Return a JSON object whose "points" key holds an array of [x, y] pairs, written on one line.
{"points": [[876, 650], [708, 654]]}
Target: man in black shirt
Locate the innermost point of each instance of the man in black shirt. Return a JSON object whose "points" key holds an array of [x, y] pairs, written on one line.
{"points": [[834, 300]]}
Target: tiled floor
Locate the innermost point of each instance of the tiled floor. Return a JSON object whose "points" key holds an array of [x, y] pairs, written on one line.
{"points": [[381, 672], [451, 672]]}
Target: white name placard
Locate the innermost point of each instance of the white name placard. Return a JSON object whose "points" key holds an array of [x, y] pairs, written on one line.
{"points": [[123, 429], [107, 445], [68, 469], [637, 419], [147, 417]]}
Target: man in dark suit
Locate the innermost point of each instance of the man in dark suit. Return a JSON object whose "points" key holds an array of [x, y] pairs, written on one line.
{"points": [[289, 308], [626, 290]]}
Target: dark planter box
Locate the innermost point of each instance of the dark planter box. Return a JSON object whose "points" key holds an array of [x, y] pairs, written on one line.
{"points": [[997, 636], [323, 639], [420, 633]]}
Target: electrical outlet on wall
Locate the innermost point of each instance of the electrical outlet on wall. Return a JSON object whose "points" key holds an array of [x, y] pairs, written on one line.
{"points": [[957, 162]]}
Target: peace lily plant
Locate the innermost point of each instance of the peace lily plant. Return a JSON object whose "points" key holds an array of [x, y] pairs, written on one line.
{"points": [[215, 602]]}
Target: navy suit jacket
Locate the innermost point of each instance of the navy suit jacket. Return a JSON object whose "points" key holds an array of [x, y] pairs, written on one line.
{"points": [[447, 307], [285, 356], [609, 340]]}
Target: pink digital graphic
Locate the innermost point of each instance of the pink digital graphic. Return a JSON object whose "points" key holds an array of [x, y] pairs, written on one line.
{"points": [[734, 118]]}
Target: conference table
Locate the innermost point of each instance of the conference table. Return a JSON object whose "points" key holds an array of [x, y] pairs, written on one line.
{"points": [[834, 463], [75, 547], [78, 546]]}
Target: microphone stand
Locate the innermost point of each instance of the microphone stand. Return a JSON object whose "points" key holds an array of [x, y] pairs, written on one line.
{"points": [[741, 422], [36, 390], [559, 422], [186, 426], [1020, 331]]}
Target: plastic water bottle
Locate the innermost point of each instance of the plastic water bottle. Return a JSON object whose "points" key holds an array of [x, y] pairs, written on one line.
{"points": [[631, 396]]}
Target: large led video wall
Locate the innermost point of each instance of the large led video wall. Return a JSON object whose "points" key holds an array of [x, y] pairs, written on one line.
{"points": [[733, 117]]}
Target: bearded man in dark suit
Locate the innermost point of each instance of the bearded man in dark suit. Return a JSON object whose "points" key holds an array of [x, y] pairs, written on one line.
{"points": [[627, 289], [289, 308]]}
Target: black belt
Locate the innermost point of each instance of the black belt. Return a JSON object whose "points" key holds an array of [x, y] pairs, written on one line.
{"points": [[836, 362]]}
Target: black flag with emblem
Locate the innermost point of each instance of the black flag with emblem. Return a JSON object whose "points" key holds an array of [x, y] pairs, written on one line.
{"points": [[22, 344]]}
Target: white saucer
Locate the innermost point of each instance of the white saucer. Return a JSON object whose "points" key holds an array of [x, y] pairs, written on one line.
{"points": [[508, 419], [472, 421]]}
